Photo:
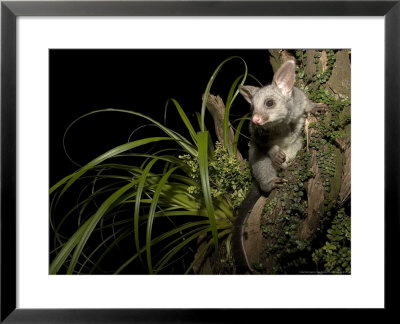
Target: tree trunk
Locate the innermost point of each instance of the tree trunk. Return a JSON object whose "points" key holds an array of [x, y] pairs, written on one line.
{"points": [[318, 180], [285, 227]]}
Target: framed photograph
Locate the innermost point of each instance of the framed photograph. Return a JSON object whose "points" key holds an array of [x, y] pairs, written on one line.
{"points": [[161, 160]]}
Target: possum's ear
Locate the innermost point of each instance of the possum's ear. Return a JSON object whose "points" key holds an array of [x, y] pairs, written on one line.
{"points": [[247, 92], [285, 76]]}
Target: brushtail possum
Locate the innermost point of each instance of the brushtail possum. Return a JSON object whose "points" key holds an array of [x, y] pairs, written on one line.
{"points": [[278, 115]]}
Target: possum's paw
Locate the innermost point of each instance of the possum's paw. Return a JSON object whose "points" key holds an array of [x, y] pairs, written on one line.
{"points": [[279, 157], [276, 183]]}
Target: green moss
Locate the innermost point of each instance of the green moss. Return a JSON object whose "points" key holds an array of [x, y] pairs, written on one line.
{"points": [[270, 206], [280, 230], [229, 179], [319, 77], [335, 255]]}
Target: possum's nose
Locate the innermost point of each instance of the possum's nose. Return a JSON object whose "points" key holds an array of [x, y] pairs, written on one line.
{"points": [[257, 120]]}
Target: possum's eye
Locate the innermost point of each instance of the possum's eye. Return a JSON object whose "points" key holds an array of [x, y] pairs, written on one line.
{"points": [[269, 103]]}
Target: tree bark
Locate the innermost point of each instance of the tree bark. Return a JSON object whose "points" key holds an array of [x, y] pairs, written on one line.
{"points": [[216, 107], [329, 186], [319, 200]]}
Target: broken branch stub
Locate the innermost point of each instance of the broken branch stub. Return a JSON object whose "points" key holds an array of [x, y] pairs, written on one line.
{"points": [[216, 107]]}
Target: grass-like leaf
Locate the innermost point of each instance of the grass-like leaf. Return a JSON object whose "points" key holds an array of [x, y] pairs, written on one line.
{"points": [[127, 199], [79, 239], [208, 88], [69, 180], [152, 210], [202, 141], [184, 118], [237, 133], [233, 92]]}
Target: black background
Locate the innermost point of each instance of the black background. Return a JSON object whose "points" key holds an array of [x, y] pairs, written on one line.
{"points": [[140, 80], [82, 81]]}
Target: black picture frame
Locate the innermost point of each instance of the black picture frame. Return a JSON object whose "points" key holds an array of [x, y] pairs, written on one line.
{"points": [[10, 10]]}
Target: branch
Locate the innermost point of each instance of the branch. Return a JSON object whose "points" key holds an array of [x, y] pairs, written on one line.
{"points": [[216, 107]]}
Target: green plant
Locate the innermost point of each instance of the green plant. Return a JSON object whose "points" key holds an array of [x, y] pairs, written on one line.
{"points": [[126, 202], [335, 254], [229, 179], [280, 232]]}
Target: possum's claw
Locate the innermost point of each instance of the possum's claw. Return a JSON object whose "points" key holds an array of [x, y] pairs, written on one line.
{"points": [[277, 182], [279, 157]]}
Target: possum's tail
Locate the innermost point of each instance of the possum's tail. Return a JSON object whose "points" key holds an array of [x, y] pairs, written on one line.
{"points": [[239, 253]]}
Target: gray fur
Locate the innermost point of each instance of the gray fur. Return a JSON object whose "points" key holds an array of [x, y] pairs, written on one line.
{"points": [[278, 116]]}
